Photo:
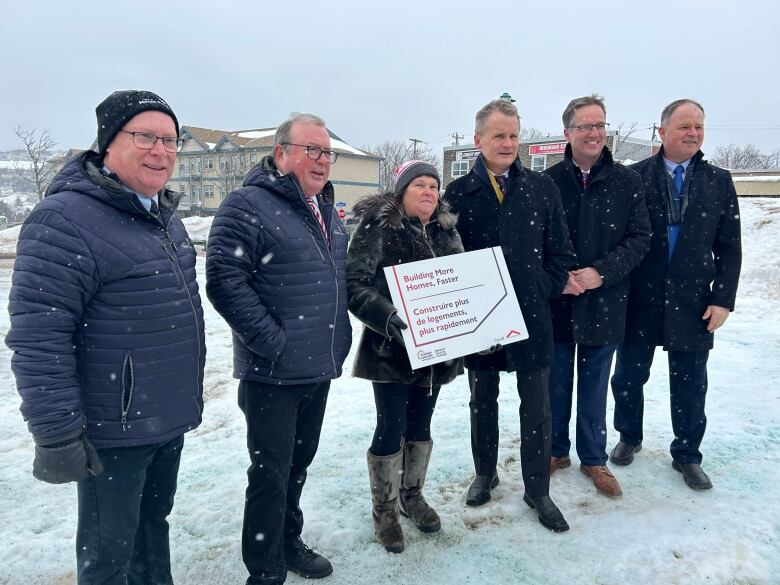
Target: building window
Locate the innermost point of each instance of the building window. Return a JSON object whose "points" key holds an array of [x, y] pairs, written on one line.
{"points": [[539, 162], [208, 191], [209, 164], [181, 166], [460, 168]]}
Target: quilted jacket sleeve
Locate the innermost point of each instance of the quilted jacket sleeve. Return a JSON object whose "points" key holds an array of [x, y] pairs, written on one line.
{"points": [[54, 278], [235, 252]]}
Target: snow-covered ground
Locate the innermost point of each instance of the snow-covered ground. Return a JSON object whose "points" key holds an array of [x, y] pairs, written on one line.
{"points": [[660, 532]]}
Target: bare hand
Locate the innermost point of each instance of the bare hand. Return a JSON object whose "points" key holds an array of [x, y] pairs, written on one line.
{"points": [[716, 315], [588, 278], [572, 286]]}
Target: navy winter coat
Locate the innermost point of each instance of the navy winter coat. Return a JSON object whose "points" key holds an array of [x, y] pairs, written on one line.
{"points": [[610, 231], [106, 320], [277, 282], [668, 298]]}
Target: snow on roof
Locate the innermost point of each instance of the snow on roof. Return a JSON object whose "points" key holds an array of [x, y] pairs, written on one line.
{"points": [[257, 133], [211, 145], [340, 145], [757, 179]]}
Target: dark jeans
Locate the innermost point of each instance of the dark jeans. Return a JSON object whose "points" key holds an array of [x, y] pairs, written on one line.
{"points": [[122, 536], [402, 411], [688, 391], [593, 365], [534, 426], [283, 432]]}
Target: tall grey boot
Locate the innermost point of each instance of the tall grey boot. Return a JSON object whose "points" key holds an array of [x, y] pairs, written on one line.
{"points": [[384, 473], [417, 454]]}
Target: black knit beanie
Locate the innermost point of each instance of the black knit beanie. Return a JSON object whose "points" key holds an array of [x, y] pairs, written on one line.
{"points": [[122, 106]]}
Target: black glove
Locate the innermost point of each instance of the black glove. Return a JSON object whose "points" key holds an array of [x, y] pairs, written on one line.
{"points": [[394, 328], [491, 349], [62, 463]]}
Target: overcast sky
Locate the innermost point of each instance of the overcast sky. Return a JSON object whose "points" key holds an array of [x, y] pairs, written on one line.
{"points": [[392, 70]]}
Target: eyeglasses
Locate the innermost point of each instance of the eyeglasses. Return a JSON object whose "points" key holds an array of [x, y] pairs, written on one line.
{"points": [[588, 127], [146, 141], [315, 152]]}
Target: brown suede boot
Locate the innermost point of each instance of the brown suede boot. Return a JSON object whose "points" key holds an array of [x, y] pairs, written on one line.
{"points": [[417, 454], [384, 473]]}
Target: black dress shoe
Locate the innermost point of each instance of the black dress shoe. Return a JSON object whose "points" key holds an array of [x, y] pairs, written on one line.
{"points": [[693, 475], [623, 453], [549, 515], [304, 561], [479, 492]]}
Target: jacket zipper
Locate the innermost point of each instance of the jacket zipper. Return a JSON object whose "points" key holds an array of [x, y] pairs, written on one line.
{"points": [[182, 281], [127, 367], [428, 243], [335, 273]]}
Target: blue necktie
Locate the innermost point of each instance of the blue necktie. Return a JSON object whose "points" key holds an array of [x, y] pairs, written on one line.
{"points": [[673, 230], [678, 179]]}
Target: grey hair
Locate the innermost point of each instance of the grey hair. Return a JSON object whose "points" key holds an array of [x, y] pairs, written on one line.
{"points": [[285, 128], [580, 102], [670, 109], [502, 106]]}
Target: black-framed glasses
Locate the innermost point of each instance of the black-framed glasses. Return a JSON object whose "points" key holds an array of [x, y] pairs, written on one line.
{"points": [[588, 127], [146, 141], [315, 152]]}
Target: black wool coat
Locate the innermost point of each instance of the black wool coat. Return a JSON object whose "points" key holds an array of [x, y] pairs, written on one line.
{"points": [[610, 231], [384, 237], [531, 229], [668, 298]]}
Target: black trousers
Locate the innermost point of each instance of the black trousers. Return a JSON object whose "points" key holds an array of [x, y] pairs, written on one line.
{"points": [[688, 391], [283, 432], [535, 426], [122, 536], [402, 411]]}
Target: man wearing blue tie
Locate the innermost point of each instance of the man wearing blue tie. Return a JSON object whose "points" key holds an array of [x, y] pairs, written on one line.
{"points": [[682, 291]]}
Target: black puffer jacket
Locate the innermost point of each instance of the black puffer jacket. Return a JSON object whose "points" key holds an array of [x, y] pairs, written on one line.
{"points": [[610, 231], [387, 237], [106, 320], [276, 281]]}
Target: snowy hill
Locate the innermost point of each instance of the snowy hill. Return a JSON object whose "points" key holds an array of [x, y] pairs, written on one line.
{"points": [[659, 533]]}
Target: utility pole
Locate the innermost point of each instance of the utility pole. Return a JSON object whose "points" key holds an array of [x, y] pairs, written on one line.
{"points": [[652, 138], [457, 137], [414, 141]]}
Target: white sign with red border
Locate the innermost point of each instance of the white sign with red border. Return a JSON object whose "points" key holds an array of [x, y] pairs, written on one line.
{"points": [[455, 305]]}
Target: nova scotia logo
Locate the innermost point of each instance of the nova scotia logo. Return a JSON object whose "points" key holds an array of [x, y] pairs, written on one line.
{"points": [[512, 333]]}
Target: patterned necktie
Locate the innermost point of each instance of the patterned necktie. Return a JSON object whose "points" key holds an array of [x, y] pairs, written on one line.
{"points": [[501, 181], [316, 212], [154, 209], [678, 179]]}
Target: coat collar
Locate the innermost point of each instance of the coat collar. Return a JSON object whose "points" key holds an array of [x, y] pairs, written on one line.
{"points": [[388, 210]]}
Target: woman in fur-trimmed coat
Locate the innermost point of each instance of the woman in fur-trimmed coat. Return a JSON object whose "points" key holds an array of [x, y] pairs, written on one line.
{"points": [[406, 225]]}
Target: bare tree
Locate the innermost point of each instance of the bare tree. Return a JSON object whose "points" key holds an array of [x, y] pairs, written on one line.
{"points": [[38, 148], [232, 170], [623, 149], [395, 152], [773, 159], [530, 133], [740, 157]]}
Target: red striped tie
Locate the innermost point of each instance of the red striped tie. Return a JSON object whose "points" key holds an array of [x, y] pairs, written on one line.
{"points": [[315, 210]]}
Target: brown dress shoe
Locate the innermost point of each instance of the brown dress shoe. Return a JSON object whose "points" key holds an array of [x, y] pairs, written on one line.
{"points": [[603, 479], [559, 463]]}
